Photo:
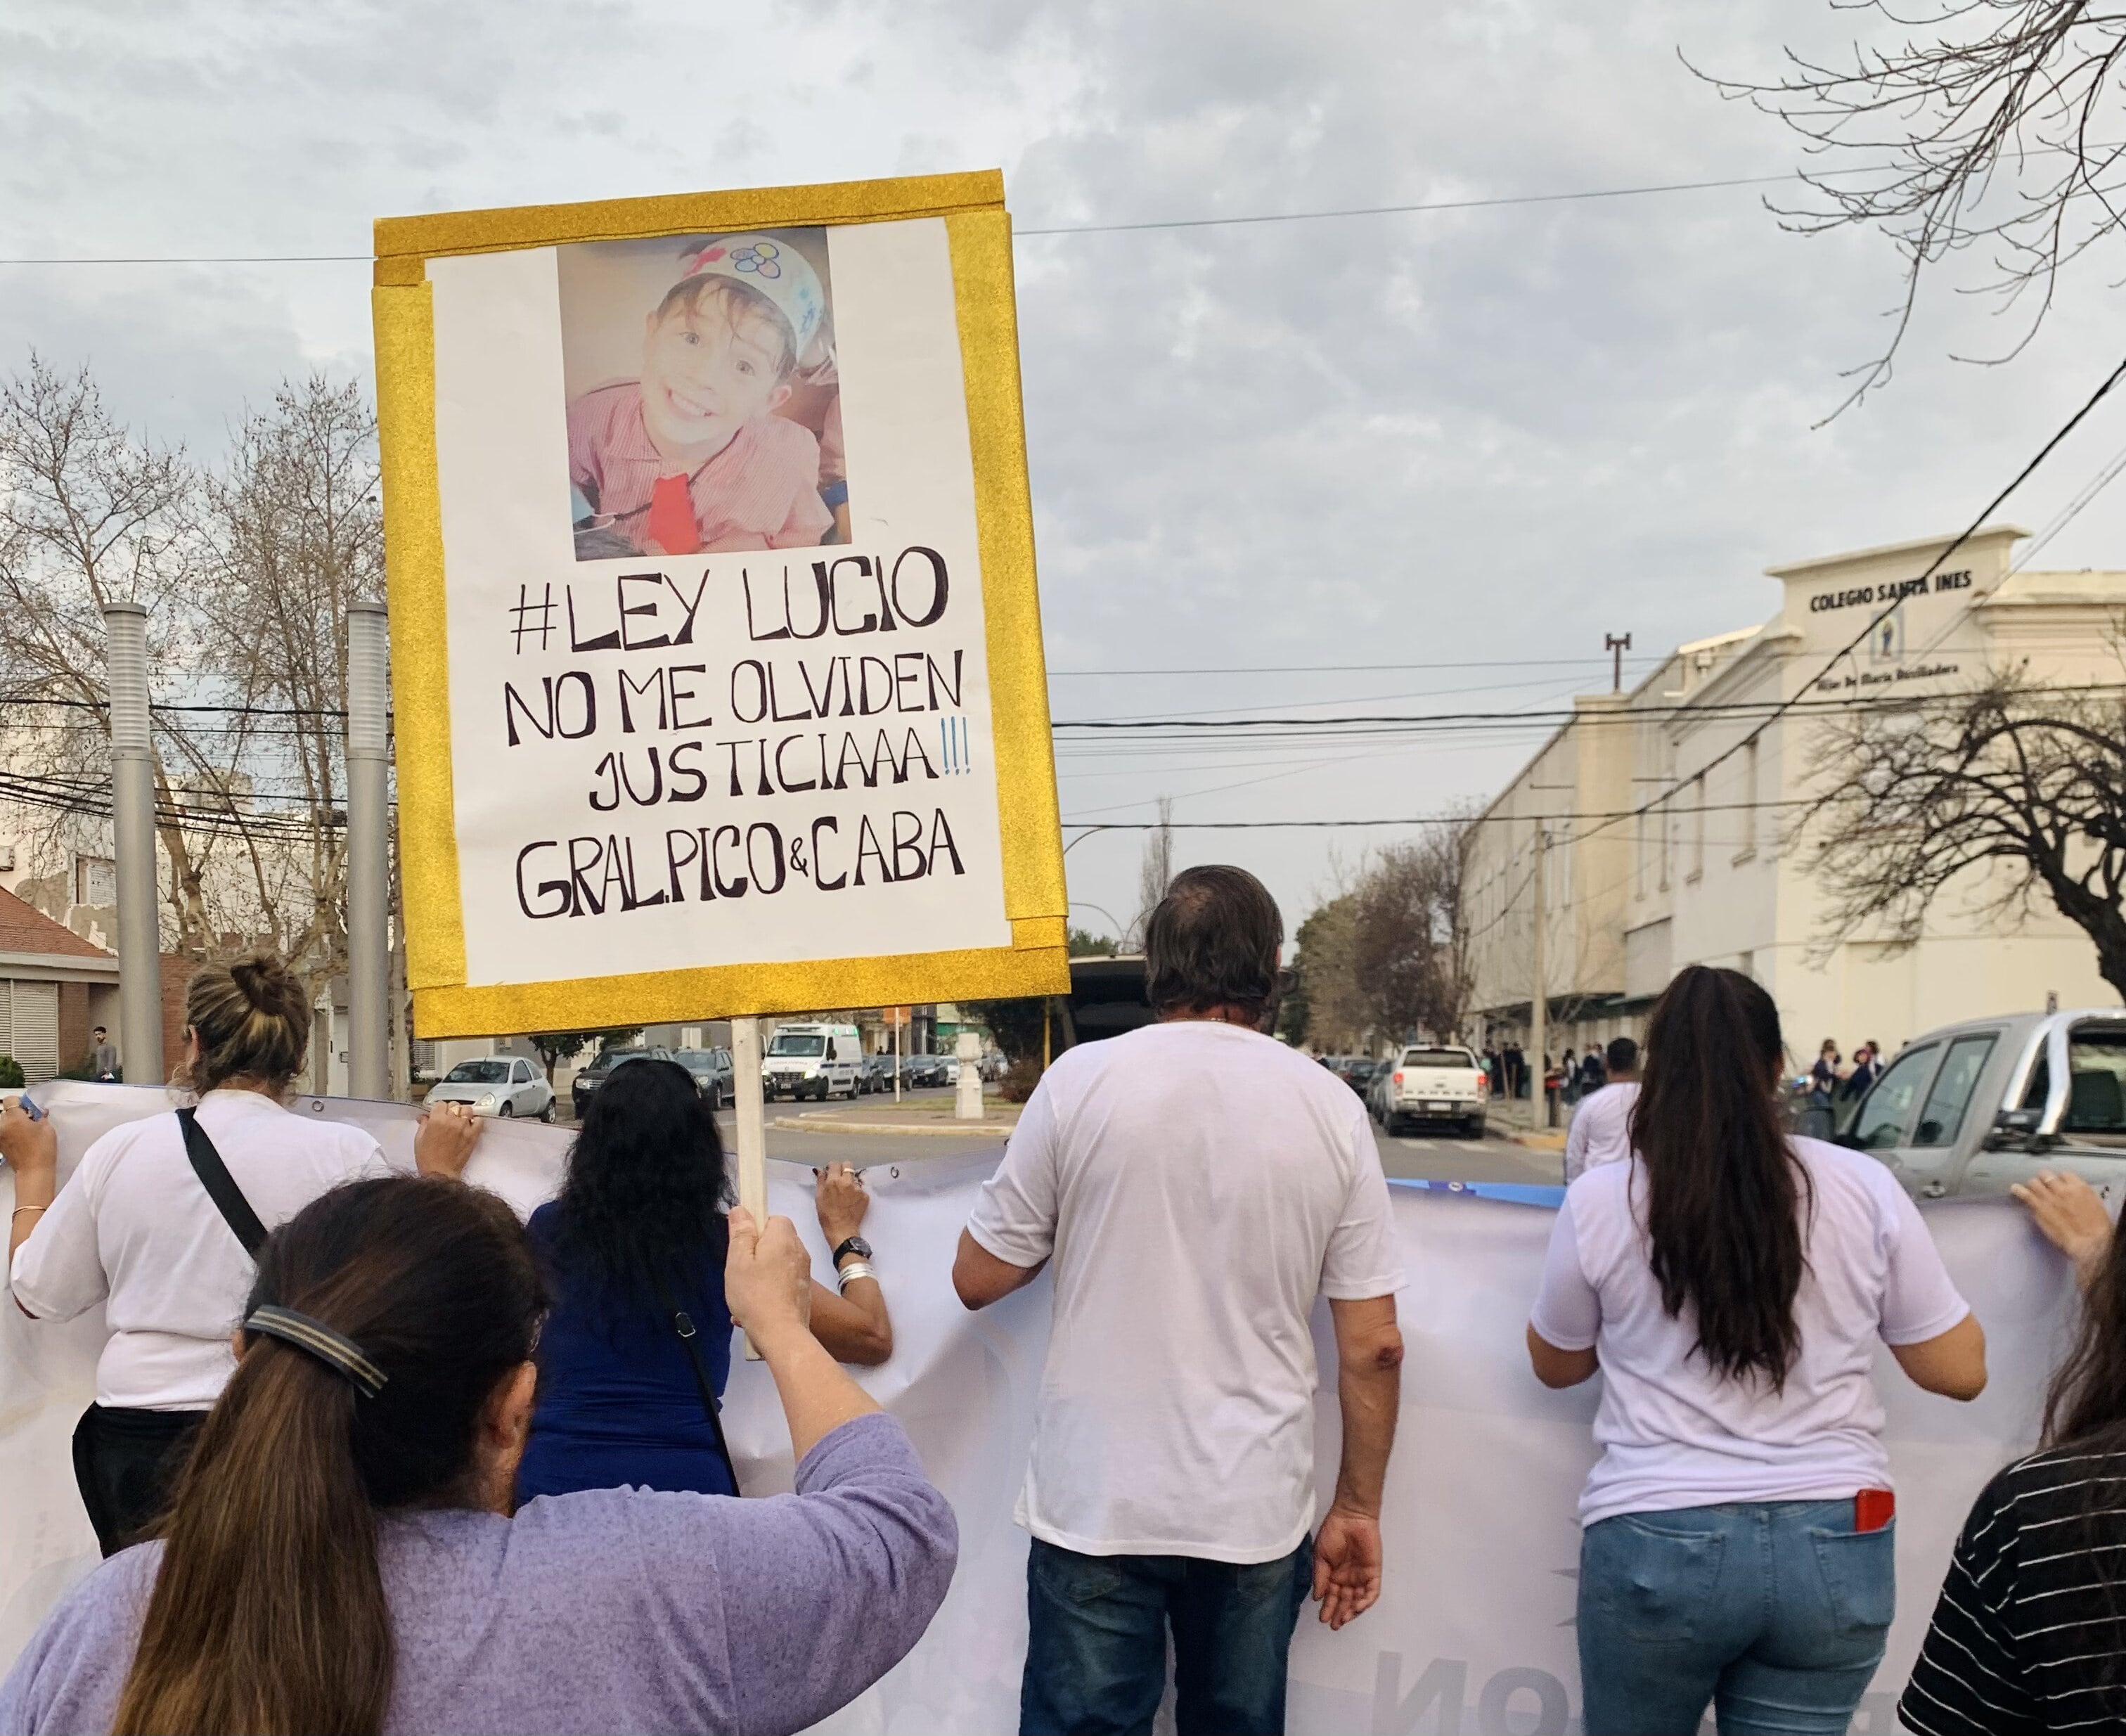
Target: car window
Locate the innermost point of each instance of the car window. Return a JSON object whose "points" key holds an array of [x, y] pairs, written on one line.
{"points": [[1437, 1057], [477, 1072], [1887, 1111], [2097, 1082], [795, 1043], [1949, 1096]]}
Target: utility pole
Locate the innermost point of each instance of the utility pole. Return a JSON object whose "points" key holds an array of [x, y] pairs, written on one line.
{"points": [[368, 853], [751, 1108], [1538, 1001], [133, 827], [1616, 647]]}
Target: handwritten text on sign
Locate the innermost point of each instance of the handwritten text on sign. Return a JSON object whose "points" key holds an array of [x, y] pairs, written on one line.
{"points": [[670, 731]]}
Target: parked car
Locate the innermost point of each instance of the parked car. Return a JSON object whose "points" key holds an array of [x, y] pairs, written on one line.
{"points": [[878, 1073], [921, 1071], [497, 1084], [711, 1069], [817, 1061], [1972, 1109], [599, 1071], [1357, 1072], [1432, 1083]]}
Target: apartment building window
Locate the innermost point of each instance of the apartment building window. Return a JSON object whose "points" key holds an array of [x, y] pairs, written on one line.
{"points": [[1745, 810], [1697, 826]]}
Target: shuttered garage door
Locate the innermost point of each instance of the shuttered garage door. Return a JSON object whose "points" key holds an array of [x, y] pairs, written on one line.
{"points": [[30, 1027]]}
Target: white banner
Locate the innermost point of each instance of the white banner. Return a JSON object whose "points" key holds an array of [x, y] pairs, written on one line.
{"points": [[1473, 1634]]}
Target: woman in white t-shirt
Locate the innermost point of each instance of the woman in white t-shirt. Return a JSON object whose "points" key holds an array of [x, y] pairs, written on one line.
{"points": [[1730, 1282], [135, 1228]]}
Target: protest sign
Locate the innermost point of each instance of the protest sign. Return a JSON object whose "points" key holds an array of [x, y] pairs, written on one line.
{"points": [[1474, 1630], [716, 649]]}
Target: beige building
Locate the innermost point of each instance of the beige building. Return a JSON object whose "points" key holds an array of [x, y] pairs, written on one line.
{"points": [[1701, 876]]}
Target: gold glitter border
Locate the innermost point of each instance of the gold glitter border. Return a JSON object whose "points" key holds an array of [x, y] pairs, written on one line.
{"points": [[1037, 962]]}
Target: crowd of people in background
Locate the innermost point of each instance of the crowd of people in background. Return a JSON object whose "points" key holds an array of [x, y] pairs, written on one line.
{"points": [[367, 1453]]}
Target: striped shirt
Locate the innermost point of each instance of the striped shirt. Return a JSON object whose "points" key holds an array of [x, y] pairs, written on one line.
{"points": [[762, 491], [2029, 1634]]}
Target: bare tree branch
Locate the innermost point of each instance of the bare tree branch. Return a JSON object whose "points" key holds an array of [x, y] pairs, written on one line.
{"points": [[2003, 795], [1983, 129]]}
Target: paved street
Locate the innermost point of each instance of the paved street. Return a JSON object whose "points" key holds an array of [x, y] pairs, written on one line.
{"points": [[842, 1133]]}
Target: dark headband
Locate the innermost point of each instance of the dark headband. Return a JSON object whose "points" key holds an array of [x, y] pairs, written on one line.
{"points": [[337, 1352]]}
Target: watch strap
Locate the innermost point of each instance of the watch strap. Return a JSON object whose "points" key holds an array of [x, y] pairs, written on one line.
{"points": [[852, 1244]]}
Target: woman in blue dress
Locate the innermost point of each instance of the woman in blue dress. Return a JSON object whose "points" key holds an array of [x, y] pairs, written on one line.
{"points": [[637, 1232]]}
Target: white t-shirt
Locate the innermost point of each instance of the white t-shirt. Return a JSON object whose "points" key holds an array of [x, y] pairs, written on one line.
{"points": [[1673, 1435], [1600, 1131], [133, 1228], [1199, 1186]]}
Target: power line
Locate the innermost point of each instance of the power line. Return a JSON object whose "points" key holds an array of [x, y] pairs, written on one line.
{"points": [[1318, 215], [1425, 205], [224, 709], [1354, 668], [1969, 531], [1445, 817], [1369, 722]]}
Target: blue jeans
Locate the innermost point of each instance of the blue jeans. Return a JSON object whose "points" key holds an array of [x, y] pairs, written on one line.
{"points": [[1774, 1611], [1096, 1651]]}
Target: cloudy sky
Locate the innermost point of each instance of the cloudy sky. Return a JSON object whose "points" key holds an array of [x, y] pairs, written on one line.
{"points": [[1465, 444]]}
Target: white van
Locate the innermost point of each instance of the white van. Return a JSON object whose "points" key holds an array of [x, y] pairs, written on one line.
{"points": [[819, 1060]]}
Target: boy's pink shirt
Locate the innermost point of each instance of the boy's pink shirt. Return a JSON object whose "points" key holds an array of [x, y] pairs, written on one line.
{"points": [[761, 491]]}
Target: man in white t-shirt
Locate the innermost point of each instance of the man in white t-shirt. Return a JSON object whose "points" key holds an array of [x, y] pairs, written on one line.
{"points": [[1601, 1126], [1196, 1185]]}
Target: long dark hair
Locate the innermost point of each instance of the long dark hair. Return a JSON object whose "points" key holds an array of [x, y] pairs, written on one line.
{"points": [[642, 1205], [1724, 1189], [268, 1611], [2085, 1405], [2086, 1411]]}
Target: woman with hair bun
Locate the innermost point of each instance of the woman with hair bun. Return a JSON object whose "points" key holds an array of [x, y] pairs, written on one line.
{"points": [[1730, 1283], [137, 1228]]}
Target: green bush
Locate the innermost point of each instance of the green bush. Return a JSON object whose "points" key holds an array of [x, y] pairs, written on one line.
{"points": [[11, 1074]]}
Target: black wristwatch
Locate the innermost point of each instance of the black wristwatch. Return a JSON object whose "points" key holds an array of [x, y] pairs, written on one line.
{"points": [[855, 1245]]}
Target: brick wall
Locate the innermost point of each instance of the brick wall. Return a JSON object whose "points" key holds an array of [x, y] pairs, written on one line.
{"points": [[74, 1023], [177, 975]]}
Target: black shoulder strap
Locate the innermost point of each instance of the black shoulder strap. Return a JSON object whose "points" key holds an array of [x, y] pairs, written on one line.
{"points": [[691, 1340], [220, 1185]]}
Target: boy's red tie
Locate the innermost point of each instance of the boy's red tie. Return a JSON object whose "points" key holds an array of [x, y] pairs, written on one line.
{"points": [[672, 526]]}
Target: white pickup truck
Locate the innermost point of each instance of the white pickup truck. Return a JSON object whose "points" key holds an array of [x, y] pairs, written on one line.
{"points": [[1432, 1083]]}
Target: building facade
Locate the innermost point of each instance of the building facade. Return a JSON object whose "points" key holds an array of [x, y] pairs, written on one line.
{"points": [[1664, 813]]}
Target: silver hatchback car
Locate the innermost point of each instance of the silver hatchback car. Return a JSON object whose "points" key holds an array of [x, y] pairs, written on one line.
{"points": [[497, 1084]]}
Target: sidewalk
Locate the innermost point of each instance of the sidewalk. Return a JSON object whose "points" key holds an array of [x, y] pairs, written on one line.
{"points": [[1515, 1117], [929, 1117]]}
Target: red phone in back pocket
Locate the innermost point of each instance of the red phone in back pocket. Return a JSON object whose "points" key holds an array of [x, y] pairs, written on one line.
{"points": [[1874, 1508]]}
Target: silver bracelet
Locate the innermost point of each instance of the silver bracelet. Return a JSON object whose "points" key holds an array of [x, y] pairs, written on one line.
{"points": [[849, 1273]]}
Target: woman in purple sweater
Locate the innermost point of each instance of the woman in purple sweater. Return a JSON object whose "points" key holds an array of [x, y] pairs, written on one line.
{"points": [[342, 1555]]}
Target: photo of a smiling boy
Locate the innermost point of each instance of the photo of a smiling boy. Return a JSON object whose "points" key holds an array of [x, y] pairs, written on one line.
{"points": [[724, 344]]}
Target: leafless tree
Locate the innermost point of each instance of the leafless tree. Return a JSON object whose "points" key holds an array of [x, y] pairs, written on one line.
{"points": [[90, 517], [294, 532], [2011, 794], [246, 573], [1996, 123], [1155, 871]]}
